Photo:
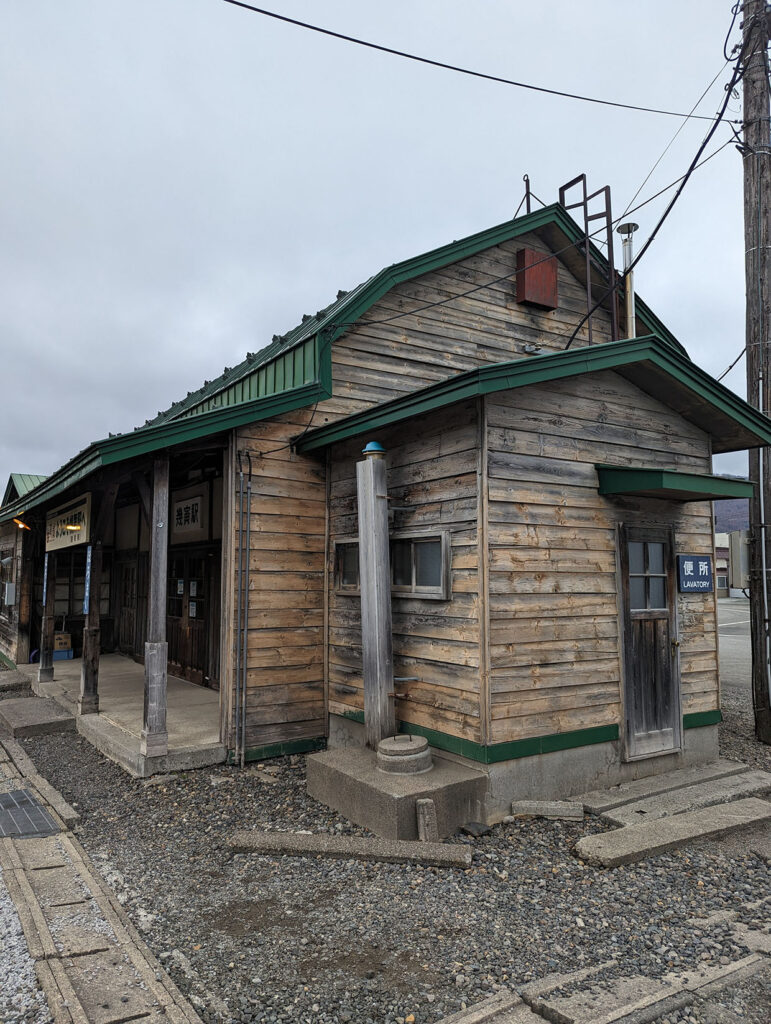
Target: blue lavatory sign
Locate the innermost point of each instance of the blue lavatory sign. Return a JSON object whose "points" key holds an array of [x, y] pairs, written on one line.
{"points": [[694, 574]]}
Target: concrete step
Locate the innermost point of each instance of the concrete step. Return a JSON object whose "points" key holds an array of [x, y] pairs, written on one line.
{"points": [[704, 794], [598, 801], [33, 716], [503, 1008], [12, 679], [635, 842]]}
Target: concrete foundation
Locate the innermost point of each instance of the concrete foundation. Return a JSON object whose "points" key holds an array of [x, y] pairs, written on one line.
{"points": [[349, 781], [556, 775]]}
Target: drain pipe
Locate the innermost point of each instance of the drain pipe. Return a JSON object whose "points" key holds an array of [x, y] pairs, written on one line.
{"points": [[237, 694], [626, 230], [244, 659]]}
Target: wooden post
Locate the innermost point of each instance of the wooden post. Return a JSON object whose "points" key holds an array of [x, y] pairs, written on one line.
{"points": [[757, 266], [88, 703], [46, 670], [155, 740], [375, 583]]}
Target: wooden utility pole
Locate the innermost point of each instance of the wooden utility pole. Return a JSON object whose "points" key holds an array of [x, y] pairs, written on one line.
{"points": [[757, 242]]}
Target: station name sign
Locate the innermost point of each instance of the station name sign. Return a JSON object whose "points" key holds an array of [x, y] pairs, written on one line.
{"points": [[694, 574], [69, 524]]}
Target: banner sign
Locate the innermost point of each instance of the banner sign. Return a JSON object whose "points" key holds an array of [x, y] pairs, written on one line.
{"points": [[694, 574], [45, 579], [69, 524], [87, 591]]}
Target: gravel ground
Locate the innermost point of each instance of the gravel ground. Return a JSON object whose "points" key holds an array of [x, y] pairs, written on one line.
{"points": [[748, 1001], [21, 998], [265, 939]]}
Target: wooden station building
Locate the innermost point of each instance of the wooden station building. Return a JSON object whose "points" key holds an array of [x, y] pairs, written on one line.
{"points": [[552, 553]]}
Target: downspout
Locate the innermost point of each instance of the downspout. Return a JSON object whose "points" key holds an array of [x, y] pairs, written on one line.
{"points": [[237, 711], [244, 659]]}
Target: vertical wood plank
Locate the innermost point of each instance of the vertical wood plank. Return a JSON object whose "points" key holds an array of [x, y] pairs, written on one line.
{"points": [[375, 581], [484, 571], [154, 740], [46, 670]]}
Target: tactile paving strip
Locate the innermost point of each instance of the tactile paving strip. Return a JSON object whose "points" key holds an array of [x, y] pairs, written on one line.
{"points": [[22, 816]]}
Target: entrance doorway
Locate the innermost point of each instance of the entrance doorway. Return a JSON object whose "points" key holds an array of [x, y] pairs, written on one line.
{"points": [[193, 614], [651, 676]]}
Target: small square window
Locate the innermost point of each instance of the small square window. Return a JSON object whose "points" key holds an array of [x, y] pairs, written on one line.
{"points": [[420, 566]]}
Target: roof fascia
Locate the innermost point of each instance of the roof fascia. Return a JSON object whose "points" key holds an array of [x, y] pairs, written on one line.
{"points": [[165, 435], [631, 480], [539, 369]]}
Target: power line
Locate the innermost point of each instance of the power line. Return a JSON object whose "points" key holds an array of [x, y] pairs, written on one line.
{"points": [[735, 78], [462, 71]]}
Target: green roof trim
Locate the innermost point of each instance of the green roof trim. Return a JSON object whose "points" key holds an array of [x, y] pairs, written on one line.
{"points": [[20, 484], [256, 376], [669, 484], [162, 435], [651, 363]]}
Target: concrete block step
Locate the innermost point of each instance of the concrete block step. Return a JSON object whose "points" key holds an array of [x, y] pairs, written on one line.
{"points": [[12, 679], [598, 801], [704, 794], [502, 1008], [33, 716], [635, 842]]}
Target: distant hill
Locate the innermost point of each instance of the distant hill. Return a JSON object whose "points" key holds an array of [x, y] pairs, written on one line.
{"points": [[732, 514]]}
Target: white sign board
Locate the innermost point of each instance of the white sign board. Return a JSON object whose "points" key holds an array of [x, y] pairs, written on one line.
{"points": [[69, 524]]}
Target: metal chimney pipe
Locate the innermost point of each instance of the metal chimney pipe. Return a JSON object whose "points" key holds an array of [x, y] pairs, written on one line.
{"points": [[626, 230]]}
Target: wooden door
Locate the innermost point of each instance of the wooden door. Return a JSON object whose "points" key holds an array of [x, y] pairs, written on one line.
{"points": [[190, 611], [127, 595], [651, 677]]}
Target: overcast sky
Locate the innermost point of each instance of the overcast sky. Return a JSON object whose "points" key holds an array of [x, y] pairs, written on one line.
{"points": [[182, 179]]}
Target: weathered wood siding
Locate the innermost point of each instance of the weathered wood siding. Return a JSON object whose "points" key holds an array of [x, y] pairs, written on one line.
{"points": [[11, 541], [555, 655], [432, 485], [372, 363], [376, 361]]}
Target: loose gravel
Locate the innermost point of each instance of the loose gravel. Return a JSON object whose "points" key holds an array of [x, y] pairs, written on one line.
{"points": [[279, 939], [21, 998]]}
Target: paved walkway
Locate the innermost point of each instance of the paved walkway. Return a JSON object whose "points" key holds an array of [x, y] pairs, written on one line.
{"points": [[91, 963]]}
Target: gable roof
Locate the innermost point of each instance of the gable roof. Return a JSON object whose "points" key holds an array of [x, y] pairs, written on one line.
{"points": [[655, 366], [295, 370], [20, 484]]}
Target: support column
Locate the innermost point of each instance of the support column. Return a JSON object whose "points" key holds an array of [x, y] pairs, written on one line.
{"points": [[88, 703], [155, 740], [45, 671], [375, 584]]}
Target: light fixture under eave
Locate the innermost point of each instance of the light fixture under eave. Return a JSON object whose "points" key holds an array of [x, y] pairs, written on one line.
{"points": [[72, 527], [21, 525]]}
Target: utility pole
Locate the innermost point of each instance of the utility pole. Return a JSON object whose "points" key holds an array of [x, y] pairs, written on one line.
{"points": [[757, 242]]}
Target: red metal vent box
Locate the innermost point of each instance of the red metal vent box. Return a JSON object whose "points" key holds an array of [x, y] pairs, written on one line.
{"points": [[536, 279]]}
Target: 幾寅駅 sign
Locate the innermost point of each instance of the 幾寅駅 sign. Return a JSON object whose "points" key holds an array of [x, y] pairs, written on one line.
{"points": [[69, 524]]}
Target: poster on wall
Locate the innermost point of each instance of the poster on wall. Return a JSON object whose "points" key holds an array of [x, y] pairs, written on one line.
{"points": [[69, 524]]}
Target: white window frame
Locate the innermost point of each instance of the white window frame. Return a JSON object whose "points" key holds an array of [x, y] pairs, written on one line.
{"points": [[441, 593]]}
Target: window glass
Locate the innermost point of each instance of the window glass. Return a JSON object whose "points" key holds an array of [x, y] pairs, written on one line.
{"points": [[349, 565], [655, 558], [401, 563], [658, 592], [636, 561], [637, 591], [428, 563]]}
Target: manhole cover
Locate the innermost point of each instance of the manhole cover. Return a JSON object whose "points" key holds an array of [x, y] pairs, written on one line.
{"points": [[21, 816]]}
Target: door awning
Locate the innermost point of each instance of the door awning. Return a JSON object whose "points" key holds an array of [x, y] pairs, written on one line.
{"points": [[671, 485]]}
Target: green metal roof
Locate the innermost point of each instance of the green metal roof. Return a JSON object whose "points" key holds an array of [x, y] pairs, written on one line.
{"points": [[20, 484], [252, 377], [652, 482], [295, 370], [652, 364]]}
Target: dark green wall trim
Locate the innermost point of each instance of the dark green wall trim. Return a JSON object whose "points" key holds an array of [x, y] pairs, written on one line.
{"points": [[6, 661], [697, 719], [504, 751], [280, 749]]}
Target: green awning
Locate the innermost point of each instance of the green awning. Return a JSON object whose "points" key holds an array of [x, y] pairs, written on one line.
{"points": [[643, 482]]}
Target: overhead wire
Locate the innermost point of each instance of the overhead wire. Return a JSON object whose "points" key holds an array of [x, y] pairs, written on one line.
{"points": [[456, 68], [735, 78]]}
